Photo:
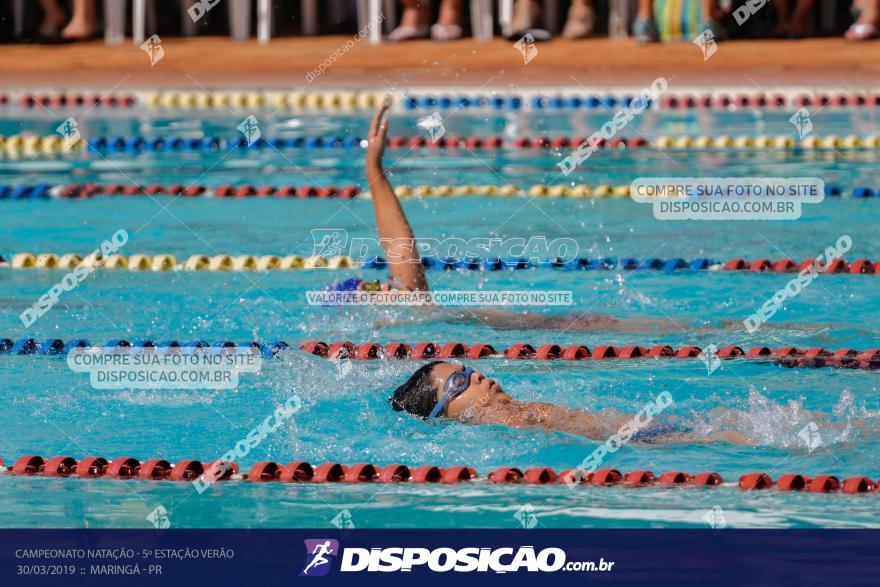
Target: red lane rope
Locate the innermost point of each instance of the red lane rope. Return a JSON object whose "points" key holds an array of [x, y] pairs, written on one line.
{"points": [[303, 472], [787, 356], [79, 191], [789, 266], [64, 99]]}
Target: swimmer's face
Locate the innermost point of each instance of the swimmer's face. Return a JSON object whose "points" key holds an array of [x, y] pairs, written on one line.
{"points": [[376, 286], [481, 392]]}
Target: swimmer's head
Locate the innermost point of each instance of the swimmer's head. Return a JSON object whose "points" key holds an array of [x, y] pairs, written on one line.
{"points": [[357, 284], [425, 390]]}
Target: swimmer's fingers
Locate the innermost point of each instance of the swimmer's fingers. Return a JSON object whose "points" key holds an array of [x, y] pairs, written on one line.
{"points": [[377, 121], [383, 130], [374, 125]]}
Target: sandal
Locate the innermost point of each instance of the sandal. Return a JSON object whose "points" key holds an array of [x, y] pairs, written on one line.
{"points": [[862, 31], [538, 35], [645, 31], [446, 32], [408, 33]]}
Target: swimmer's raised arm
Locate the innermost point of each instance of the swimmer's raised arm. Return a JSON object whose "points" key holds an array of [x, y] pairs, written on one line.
{"points": [[394, 230]]}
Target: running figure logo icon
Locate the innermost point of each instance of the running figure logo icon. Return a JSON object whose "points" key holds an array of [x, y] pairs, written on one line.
{"points": [[328, 242], [68, 130], [709, 356], [433, 124], [317, 553], [250, 128], [802, 122], [706, 42], [526, 47], [153, 48], [526, 516], [159, 518]]}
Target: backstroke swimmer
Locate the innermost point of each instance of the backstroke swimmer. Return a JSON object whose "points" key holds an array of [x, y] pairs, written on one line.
{"points": [[408, 274], [453, 391]]}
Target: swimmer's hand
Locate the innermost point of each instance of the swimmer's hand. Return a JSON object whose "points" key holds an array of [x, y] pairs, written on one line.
{"points": [[376, 140]]}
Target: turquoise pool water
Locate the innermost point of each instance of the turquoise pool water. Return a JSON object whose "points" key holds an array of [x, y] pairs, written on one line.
{"points": [[51, 410]]}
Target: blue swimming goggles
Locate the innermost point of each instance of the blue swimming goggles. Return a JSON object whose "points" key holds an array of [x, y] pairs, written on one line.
{"points": [[455, 385]]}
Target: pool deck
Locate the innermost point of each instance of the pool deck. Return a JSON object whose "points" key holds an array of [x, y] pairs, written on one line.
{"points": [[218, 62]]}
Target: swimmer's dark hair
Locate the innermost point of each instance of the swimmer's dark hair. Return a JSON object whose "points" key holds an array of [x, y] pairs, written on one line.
{"points": [[417, 396]]}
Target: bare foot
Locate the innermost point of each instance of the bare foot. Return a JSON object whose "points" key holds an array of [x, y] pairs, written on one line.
{"points": [[413, 24], [580, 22], [78, 29], [526, 14], [450, 14], [416, 17]]}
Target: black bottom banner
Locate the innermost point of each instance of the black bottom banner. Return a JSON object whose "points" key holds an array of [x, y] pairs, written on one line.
{"points": [[477, 557]]}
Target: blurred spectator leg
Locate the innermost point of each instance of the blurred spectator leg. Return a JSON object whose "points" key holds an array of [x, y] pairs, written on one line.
{"points": [[389, 10], [802, 20], [580, 21], [188, 25], [526, 16], [783, 19], [413, 22], [644, 29], [710, 22], [551, 16], [53, 20], [83, 23], [448, 26], [309, 17], [867, 25], [794, 24]]}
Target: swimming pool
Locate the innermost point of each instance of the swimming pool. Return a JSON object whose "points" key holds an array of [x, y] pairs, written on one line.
{"points": [[345, 418]]}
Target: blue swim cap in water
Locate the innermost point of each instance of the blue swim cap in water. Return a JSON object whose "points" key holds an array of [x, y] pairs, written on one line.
{"points": [[352, 285], [348, 285]]}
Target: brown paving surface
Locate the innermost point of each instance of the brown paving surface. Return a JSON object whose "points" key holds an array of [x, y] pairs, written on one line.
{"points": [[217, 61]]}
